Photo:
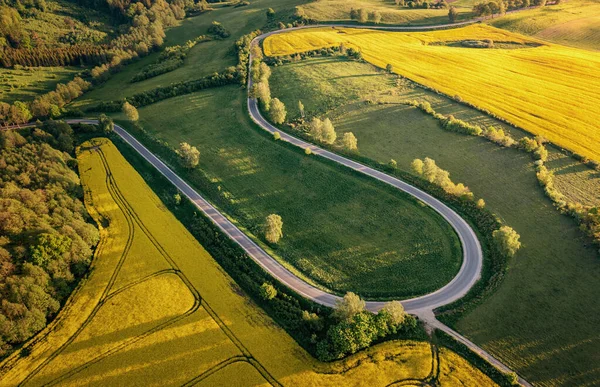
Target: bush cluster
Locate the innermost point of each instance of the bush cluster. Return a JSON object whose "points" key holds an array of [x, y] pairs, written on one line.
{"points": [[173, 90], [49, 105], [170, 59]]}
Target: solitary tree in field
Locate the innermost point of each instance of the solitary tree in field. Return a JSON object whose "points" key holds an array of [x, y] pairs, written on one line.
{"points": [[106, 124], [508, 240], [301, 108], [273, 228], [130, 112], [277, 136], [189, 154], [267, 291], [307, 151], [270, 13], [389, 68], [363, 15], [393, 164], [417, 167], [349, 141], [349, 306], [263, 93], [328, 132], [480, 203], [316, 129], [452, 14], [277, 111], [376, 17]]}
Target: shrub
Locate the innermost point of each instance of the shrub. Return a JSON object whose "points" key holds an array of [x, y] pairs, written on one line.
{"points": [[277, 136], [218, 30], [349, 142], [508, 240], [267, 291]]}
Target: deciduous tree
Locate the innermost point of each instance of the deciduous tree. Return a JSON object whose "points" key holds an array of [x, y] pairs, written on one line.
{"points": [[130, 112], [349, 306], [273, 228], [277, 111], [508, 240], [349, 141], [189, 154]]}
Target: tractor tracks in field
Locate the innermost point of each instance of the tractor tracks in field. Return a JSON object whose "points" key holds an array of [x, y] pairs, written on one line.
{"points": [[133, 220]]}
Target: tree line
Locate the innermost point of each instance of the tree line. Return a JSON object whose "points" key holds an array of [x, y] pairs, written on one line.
{"points": [[46, 235], [49, 105], [170, 58], [490, 8], [588, 217]]}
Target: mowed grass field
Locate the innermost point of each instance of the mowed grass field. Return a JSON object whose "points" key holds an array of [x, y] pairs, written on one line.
{"points": [[543, 319], [573, 23], [548, 90], [26, 84], [204, 59], [174, 317], [341, 230]]}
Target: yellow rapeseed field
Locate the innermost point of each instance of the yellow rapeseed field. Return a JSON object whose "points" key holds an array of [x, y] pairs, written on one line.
{"points": [[157, 310], [549, 90]]}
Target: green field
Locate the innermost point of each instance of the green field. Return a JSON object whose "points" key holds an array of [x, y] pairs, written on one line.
{"points": [[88, 25], [543, 319], [344, 231], [26, 84], [158, 310], [573, 23], [339, 10], [202, 60]]}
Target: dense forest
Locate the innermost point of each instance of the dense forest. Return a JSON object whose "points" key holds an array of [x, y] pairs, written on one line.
{"points": [[46, 238]]}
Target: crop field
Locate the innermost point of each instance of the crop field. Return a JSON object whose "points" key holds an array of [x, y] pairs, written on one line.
{"points": [[25, 84], [548, 90], [350, 235], [158, 310], [202, 60], [554, 252], [331, 86], [573, 23]]}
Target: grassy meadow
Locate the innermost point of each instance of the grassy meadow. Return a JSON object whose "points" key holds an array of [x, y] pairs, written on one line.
{"points": [[204, 59], [548, 90], [548, 285], [175, 317], [356, 234], [339, 10], [27, 83], [572, 23]]}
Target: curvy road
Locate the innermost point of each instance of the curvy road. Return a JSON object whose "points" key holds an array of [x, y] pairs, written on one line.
{"points": [[423, 306]]}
